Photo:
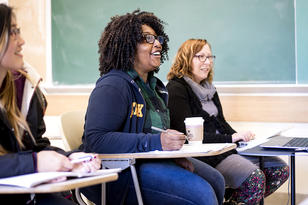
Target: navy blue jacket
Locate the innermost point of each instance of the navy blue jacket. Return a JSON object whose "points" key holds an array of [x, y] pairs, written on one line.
{"points": [[114, 124], [115, 116]]}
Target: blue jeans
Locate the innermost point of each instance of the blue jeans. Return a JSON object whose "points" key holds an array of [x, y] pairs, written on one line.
{"points": [[212, 176], [162, 182]]}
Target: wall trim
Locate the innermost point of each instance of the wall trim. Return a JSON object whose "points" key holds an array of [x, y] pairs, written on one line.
{"points": [[243, 90]]}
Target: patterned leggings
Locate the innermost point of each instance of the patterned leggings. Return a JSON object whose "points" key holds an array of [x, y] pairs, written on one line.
{"points": [[260, 184]]}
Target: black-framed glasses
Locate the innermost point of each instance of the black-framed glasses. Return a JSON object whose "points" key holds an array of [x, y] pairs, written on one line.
{"points": [[15, 31], [150, 38], [203, 58]]}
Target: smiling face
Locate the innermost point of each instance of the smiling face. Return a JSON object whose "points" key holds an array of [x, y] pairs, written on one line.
{"points": [[148, 55], [200, 70], [13, 58]]}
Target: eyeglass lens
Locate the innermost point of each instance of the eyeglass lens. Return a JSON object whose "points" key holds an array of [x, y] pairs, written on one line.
{"points": [[15, 31], [204, 58], [151, 38]]}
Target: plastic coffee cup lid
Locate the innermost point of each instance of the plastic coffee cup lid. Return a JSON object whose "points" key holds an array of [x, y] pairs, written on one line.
{"points": [[193, 120]]}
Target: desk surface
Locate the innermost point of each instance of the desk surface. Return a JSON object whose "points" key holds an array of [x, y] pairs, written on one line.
{"points": [[60, 186], [188, 151], [259, 151]]}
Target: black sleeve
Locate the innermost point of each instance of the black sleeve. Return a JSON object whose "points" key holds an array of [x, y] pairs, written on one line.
{"points": [[35, 119], [178, 104], [227, 128], [216, 138], [220, 124]]}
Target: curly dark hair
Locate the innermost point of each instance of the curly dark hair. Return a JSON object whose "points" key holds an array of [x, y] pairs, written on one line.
{"points": [[118, 42]]}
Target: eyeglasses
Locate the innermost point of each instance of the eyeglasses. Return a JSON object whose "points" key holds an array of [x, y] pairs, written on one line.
{"points": [[149, 38], [15, 31], [203, 58]]}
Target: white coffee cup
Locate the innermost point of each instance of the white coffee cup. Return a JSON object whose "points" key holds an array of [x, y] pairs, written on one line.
{"points": [[194, 129]]}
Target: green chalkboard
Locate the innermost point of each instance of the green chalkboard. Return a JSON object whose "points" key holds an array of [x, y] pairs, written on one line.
{"points": [[302, 39], [254, 40]]}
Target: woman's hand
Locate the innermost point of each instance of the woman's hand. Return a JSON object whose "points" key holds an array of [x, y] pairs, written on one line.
{"points": [[172, 140], [87, 166], [243, 136], [48, 161]]}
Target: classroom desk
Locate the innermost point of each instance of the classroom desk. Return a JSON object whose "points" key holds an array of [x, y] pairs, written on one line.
{"points": [[126, 160], [264, 130], [61, 186], [258, 151]]}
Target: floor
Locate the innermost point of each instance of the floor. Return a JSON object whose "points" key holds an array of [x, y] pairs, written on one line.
{"points": [[280, 198]]}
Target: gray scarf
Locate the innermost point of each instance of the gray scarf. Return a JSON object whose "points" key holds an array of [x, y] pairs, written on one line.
{"points": [[205, 92]]}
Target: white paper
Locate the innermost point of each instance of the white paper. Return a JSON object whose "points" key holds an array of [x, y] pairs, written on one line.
{"points": [[34, 179], [202, 148]]}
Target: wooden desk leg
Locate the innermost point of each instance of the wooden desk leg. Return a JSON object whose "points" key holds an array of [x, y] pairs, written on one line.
{"points": [[103, 194], [261, 165], [136, 184], [292, 179]]}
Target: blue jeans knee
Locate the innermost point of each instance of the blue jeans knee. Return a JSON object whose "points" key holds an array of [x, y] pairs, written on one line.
{"points": [[163, 182]]}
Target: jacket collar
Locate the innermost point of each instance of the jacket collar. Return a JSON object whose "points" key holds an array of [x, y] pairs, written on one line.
{"points": [[124, 75], [29, 88]]}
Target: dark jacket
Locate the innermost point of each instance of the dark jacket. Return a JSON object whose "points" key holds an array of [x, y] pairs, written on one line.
{"points": [[114, 124], [183, 103], [19, 160], [115, 116]]}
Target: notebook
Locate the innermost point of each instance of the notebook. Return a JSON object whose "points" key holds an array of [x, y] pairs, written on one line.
{"points": [[34, 179], [294, 143]]}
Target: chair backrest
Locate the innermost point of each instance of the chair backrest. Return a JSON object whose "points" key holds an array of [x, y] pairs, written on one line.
{"points": [[72, 124]]}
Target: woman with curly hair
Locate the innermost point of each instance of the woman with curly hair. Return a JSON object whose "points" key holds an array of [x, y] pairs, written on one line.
{"points": [[125, 103]]}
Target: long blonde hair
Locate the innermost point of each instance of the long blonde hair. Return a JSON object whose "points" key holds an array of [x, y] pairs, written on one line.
{"points": [[8, 100], [7, 90], [184, 57]]}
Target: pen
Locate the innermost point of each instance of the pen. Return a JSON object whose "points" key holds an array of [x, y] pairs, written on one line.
{"points": [[161, 130], [158, 129], [82, 159]]}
